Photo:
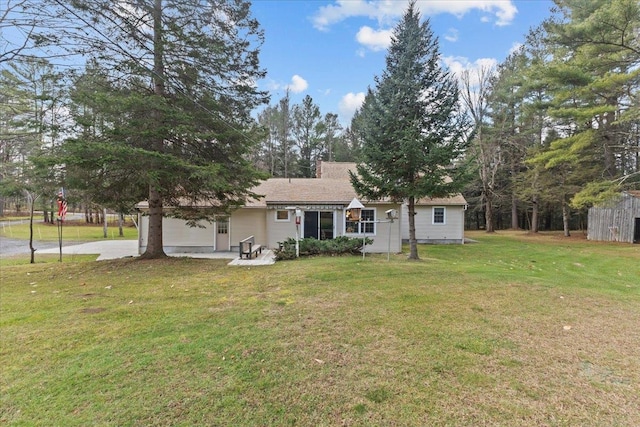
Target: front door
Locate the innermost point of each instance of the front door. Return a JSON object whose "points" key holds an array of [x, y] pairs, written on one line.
{"points": [[318, 224], [636, 232], [222, 234]]}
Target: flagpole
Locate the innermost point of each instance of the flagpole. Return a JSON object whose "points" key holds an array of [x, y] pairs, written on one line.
{"points": [[62, 212], [60, 237]]}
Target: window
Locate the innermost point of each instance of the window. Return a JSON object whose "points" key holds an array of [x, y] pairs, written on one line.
{"points": [[366, 225], [222, 226], [438, 216], [282, 215]]}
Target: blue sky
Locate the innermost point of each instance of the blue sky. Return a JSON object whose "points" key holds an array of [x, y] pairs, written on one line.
{"points": [[332, 50]]}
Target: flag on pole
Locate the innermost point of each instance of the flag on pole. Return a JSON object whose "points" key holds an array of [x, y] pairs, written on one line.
{"points": [[62, 205]]}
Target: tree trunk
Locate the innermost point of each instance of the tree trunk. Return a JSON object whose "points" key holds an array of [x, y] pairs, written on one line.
{"points": [[565, 219], [488, 214], [104, 222], [514, 212], [155, 244], [534, 215], [120, 224], [413, 243], [31, 248]]}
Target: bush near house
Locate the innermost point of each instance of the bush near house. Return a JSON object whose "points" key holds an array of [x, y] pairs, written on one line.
{"points": [[341, 245]]}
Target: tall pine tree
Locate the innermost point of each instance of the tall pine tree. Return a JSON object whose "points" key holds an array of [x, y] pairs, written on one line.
{"points": [[411, 125], [183, 74]]}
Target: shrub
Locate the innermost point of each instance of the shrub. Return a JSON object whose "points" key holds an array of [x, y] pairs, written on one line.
{"points": [[309, 246]]}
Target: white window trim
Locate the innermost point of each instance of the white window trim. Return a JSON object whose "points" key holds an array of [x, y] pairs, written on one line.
{"points": [[359, 233], [444, 215], [282, 210]]}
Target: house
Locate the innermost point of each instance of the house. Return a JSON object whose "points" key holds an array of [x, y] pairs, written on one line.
{"points": [[437, 220], [618, 221], [322, 203]]}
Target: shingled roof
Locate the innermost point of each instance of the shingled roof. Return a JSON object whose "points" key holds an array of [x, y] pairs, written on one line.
{"points": [[332, 186], [302, 191]]}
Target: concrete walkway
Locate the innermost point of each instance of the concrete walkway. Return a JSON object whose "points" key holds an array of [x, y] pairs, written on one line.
{"points": [[114, 249]]}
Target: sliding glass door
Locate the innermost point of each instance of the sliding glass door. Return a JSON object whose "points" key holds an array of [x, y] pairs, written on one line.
{"points": [[318, 224]]}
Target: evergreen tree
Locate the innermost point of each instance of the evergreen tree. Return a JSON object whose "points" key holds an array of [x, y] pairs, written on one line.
{"points": [[306, 126], [594, 75], [183, 76], [332, 137], [412, 126]]}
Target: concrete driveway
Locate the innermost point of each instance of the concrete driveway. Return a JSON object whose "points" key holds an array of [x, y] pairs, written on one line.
{"points": [[113, 249], [105, 249]]}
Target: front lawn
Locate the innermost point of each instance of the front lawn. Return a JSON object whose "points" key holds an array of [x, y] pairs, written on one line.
{"points": [[513, 330]]}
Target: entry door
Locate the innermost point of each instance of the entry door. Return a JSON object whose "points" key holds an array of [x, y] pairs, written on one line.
{"points": [[311, 224], [222, 234], [318, 224], [636, 232]]}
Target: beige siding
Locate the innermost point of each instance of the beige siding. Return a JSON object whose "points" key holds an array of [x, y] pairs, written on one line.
{"points": [[178, 237], [381, 238], [178, 233], [143, 233], [339, 222], [248, 222], [279, 231], [452, 231], [261, 223]]}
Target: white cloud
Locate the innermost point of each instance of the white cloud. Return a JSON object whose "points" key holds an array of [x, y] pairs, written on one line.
{"points": [[451, 35], [343, 9], [516, 46], [458, 64], [349, 104], [374, 39], [386, 11], [298, 84], [506, 15]]}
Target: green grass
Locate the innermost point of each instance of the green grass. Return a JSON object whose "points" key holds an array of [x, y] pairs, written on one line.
{"points": [[71, 231], [513, 330]]}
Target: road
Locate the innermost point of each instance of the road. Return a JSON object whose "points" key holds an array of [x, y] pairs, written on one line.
{"points": [[10, 247]]}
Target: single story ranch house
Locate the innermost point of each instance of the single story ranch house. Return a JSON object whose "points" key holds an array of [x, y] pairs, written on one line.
{"points": [[321, 203]]}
